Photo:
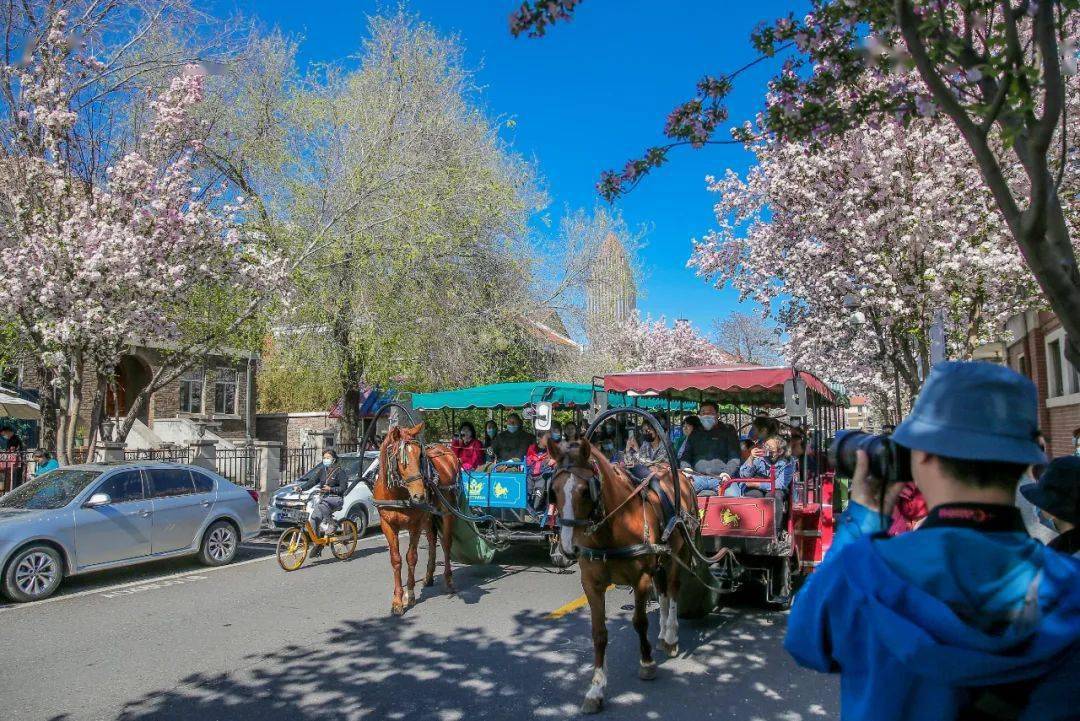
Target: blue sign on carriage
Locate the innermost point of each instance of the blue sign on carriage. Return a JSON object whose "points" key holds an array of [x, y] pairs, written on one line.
{"points": [[496, 489]]}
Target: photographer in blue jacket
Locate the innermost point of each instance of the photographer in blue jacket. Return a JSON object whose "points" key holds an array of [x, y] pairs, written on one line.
{"points": [[966, 617]]}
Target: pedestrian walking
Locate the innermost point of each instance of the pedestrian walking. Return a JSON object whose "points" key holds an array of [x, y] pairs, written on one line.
{"points": [[44, 462]]}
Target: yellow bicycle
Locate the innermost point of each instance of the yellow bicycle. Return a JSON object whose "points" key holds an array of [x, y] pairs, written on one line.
{"points": [[295, 542]]}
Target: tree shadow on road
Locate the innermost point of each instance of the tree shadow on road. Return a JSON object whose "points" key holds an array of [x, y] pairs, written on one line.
{"points": [[731, 666]]}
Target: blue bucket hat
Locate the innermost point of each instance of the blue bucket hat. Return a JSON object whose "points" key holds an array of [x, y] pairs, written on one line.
{"points": [[975, 411]]}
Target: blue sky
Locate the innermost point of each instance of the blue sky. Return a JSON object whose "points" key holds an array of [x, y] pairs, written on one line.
{"points": [[588, 96]]}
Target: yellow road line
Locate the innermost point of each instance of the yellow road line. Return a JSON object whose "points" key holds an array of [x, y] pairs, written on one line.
{"points": [[574, 605]]}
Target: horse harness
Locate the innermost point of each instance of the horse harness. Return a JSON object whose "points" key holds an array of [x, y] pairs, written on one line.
{"points": [[597, 519], [426, 473]]}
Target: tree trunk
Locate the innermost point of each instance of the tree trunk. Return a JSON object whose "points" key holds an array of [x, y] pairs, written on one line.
{"points": [[49, 411], [97, 414]]}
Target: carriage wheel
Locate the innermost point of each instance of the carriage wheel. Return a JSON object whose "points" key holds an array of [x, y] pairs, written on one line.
{"points": [[344, 542], [292, 549]]}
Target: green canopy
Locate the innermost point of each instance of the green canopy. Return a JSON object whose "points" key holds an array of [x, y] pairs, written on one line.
{"points": [[520, 395]]}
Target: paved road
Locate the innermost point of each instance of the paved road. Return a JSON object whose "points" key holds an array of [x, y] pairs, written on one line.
{"points": [[248, 641]]}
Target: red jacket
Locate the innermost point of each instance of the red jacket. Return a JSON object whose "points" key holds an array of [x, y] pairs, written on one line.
{"points": [[910, 508], [471, 455], [535, 459]]}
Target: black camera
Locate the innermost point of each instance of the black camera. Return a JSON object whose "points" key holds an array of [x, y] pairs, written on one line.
{"points": [[889, 461]]}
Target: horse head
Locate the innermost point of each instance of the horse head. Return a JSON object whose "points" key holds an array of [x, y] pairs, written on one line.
{"points": [[575, 490], [402, 451]]}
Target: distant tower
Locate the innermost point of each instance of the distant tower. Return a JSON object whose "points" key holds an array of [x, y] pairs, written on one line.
{"points": [[610, 292]]}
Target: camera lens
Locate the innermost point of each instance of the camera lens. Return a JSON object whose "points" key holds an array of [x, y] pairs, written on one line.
{"points": [[888, 461]]}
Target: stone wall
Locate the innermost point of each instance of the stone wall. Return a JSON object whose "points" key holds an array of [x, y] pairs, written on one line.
{"points": [[292, 429]]}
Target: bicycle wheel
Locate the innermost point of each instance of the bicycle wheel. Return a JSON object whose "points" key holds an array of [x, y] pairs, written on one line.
{"points": [[292, 549], [344, 542]]}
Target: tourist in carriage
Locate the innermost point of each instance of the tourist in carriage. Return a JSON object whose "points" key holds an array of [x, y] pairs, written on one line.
{"points": [[689, 424], [468, 448], [644, 447], [712, 450], [570, 433], [770, 460], [513, 443], [536, 458]]}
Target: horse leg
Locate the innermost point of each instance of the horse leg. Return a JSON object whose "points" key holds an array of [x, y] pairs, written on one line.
{"points": [[429, 529], [669, 611], [647, 667], [595, 593], [447, 533], [410, 558], [392, 542]]}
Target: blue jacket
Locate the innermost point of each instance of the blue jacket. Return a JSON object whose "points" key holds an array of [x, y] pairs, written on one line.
{"points": [[760, 468], [919, 625]]}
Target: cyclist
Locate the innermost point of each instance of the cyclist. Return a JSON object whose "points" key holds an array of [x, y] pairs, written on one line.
{"points": [[332, 483]]}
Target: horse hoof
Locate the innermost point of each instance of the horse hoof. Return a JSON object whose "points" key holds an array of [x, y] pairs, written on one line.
{"points": [[592, 705], [410, 600], [397, 609], [450, 588], [429, 582], [670, 649], [647, 671]]}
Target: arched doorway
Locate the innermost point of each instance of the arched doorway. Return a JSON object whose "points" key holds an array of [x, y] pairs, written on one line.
{"points": [[132, 375]]}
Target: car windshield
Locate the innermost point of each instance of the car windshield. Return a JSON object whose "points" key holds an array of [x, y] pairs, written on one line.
{"points": [[55, 489]]}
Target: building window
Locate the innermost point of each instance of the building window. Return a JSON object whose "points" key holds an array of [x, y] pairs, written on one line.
{"points": [[1064, 379], [1022, 366], [191, 384], [225, 391]]}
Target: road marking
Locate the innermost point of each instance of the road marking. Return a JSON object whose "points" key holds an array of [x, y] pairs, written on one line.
{"points": [[574, 605], [112, 590]]}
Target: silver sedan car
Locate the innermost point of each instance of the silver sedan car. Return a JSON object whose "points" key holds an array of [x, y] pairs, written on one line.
{"points": [[97, 516]]}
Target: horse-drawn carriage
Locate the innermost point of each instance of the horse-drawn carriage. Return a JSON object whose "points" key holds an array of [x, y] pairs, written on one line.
{"points": [[499, 491], [773, 535]]}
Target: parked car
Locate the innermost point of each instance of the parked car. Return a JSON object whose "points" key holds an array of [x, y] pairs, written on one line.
{"points": [[95, 516], [288, 506]]}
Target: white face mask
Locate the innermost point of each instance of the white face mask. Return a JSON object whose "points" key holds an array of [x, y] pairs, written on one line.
{"points": [[327, 462], [707, 422]]}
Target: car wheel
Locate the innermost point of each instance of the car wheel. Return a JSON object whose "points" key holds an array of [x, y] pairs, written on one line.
{"points": [[34, 573], [359, 516], [220, 544]]}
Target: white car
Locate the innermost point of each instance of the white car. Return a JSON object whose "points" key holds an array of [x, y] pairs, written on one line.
{"points": [[291, 502]]}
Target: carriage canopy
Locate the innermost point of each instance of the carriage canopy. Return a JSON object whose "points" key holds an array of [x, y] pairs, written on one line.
{"points": [[521, 395], [750, 384]]}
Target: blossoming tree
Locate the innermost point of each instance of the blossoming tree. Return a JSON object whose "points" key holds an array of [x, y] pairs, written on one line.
{"points": [[861, 244], [997, 69], [639, 344], [93, 262]]}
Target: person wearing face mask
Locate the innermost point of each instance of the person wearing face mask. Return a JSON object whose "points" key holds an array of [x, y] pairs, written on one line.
{"points": [[713, 449], [512, 443], [331, 481], [648, 450], [1057, 496], [467, 447]]}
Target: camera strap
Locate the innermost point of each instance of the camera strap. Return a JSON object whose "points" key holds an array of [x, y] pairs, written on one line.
{"points": [[985, 517]]}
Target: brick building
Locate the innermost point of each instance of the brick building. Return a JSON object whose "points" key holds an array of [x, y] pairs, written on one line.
{"points": [[228, 376], [1037, 350]]}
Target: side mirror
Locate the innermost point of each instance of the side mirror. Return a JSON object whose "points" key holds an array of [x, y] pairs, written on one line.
{"points": [[542, 421], [98, 499]]}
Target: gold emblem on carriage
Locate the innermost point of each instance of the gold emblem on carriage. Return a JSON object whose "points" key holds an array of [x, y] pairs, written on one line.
{"points": [[475, 487], [729, 518], [501, 490]]}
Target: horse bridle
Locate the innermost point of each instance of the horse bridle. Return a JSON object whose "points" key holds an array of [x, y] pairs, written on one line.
{"points": [[592, 482], [394, 479]]}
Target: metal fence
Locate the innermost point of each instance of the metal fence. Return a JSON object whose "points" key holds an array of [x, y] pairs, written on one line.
{"points": [[177, 454], [295, 462], [13, 469], [239, 465]]}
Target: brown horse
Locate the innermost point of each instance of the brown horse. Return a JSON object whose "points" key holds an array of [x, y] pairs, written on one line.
{"points": [[401, 480], [613, 523]]}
